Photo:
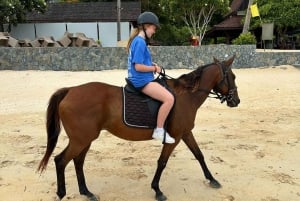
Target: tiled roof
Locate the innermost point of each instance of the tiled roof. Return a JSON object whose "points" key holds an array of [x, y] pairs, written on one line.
{"points": [[87, 12]]}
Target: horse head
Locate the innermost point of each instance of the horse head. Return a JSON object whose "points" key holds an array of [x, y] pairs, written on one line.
{"points": [[226, 89]]}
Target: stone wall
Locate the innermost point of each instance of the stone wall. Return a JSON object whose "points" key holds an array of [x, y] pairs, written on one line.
{"points": [[103, 58]]}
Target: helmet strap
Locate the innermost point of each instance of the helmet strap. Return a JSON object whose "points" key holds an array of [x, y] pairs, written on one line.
{"points": [[146, 36]]}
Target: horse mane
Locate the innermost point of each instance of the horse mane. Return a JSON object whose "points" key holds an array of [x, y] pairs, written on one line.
{"points": [[190, 81]]}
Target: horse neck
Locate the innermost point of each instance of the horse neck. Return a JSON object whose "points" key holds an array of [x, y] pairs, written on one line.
{"points": [[210, 77], [207, 81]]}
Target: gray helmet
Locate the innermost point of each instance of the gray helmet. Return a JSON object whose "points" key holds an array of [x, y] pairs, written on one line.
{"points": [[148, 18]]}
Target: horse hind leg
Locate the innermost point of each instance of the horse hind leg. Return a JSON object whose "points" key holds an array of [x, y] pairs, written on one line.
{"points": [[190, 141], [72, 151], [78, 163], [60, 165]]}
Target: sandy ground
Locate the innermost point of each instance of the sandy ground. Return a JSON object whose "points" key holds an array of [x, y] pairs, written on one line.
{"points": [[252, 150]]}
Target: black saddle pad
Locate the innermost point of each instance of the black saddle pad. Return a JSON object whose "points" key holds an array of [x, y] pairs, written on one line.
{"points": [[139, 110]]}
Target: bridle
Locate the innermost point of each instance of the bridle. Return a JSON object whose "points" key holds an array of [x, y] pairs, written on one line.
{"points": [[231, 91], [217, 95]]}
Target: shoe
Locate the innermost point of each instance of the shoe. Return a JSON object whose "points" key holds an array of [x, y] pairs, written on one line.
{"points": [[159, 135]]}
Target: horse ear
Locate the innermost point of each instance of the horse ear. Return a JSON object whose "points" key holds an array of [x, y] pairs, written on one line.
{"points": [[229, 61], [216, 60]]}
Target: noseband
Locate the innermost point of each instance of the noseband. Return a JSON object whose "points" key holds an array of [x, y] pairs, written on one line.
{"points": [[232, 89]]}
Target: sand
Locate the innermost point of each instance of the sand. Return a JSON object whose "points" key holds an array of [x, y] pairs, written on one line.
{"points": [[252, 150]]}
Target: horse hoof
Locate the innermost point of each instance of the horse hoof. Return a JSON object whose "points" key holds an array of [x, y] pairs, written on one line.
{"points": [[215, 184], [160, 197], [57, 198], [92, 198]]}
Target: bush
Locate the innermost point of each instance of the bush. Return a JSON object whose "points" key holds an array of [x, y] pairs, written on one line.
{"points": [[244, 38]]}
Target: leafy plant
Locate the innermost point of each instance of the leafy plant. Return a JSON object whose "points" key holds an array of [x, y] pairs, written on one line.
{"points": [[283, 13], [170, 35], [13, 12], [244, 39]]}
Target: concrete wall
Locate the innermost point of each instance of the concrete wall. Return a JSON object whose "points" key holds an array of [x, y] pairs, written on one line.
{"points": [[77, 59]]}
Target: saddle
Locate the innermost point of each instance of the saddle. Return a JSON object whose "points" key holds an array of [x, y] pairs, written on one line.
{"points": [[139, 110]]}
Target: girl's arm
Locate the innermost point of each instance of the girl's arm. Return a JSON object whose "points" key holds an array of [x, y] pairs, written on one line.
{"points": [[144, 68]]}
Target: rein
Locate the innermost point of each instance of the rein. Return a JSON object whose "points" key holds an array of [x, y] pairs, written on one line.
{"points": [[219, 96], [163, 74]]}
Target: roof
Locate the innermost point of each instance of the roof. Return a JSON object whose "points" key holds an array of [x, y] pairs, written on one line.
{"points": [[87, 12], [232, 24], [232, 21]]}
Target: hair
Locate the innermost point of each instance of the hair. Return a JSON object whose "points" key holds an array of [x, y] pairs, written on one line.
{"points": [[134, 33]]}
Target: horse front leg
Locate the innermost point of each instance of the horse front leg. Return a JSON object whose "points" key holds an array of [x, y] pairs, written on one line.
{"points": [[190, 141], [161, 164]]}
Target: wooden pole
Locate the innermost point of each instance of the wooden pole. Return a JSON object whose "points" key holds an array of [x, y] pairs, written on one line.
{"points": [[119, 20], [248, 18]]}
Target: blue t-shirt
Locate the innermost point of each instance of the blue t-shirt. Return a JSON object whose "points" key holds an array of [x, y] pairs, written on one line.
{"points": [[139, 53]]}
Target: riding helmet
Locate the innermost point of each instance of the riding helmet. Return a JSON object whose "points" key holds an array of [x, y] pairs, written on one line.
{"points": [[148, 18]]}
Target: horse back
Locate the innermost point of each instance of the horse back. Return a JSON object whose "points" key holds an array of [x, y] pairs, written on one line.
{"points": [[92, 93], [92, 99]]}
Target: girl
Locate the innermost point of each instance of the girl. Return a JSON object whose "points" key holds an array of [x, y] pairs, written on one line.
{"points": [[141, 71]]}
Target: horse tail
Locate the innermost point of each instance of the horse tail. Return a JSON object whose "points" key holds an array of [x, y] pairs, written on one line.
{"points": [[53, 125]]}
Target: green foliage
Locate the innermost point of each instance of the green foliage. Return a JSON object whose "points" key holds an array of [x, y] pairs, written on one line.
{"points": [[14, 11], [170, 35], [171, 13], [176, 9], [244, 39], [284, 14], [221, 40]]}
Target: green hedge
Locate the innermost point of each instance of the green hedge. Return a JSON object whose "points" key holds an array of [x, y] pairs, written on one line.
{"points": [[244, 39]]}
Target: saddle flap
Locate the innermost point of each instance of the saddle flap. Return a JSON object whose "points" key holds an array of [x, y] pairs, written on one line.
{"points": [[139, 110]]}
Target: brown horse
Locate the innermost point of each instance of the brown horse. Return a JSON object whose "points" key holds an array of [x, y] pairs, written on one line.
{"points": [[87, 109]]}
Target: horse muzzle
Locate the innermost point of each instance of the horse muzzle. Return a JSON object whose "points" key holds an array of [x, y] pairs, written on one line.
{"points": [[232, 99], [233, 103]]}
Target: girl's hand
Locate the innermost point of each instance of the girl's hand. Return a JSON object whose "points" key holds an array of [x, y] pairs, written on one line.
{"points": [[157, 68]]}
